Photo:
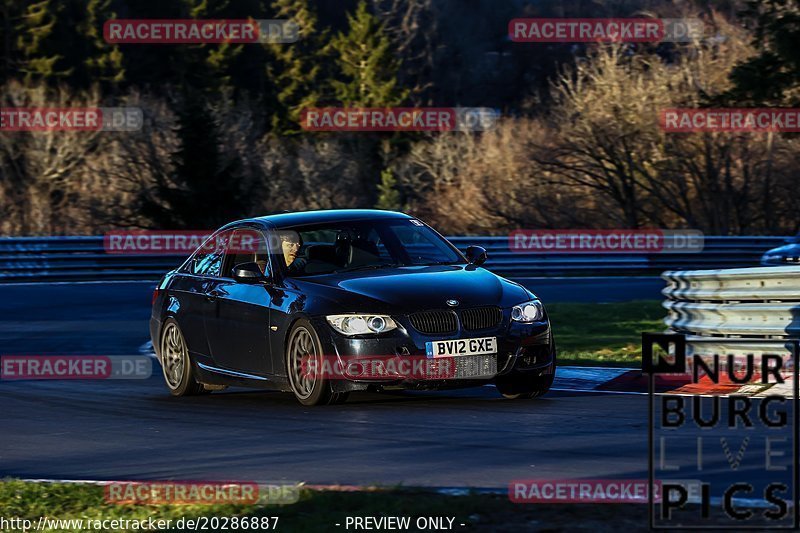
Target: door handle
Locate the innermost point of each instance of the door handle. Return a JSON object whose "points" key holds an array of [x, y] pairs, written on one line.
{"points": [[212, 296]]}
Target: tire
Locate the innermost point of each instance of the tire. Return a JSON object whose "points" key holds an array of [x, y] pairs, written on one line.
{"points": [[518, 386], [515, 388], [303, 342], [175, 362]]}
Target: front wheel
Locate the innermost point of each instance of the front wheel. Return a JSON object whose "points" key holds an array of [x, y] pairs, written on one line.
{"points": [[302, 349], [517, 385]]}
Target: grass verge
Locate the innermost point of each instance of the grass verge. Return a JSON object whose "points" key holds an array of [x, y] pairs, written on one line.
{"points": [[319, 511], [606, 334], [322, 511]]}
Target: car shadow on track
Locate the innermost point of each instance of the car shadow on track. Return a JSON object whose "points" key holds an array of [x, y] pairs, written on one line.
{"points": [[465, 397]]}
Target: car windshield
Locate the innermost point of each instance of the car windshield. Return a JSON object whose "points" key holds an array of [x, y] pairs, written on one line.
{"points": [[365, 245]]}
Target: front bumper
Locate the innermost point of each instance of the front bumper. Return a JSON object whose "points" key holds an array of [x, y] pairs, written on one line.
{"points": [[780, 260], [521, 348]]}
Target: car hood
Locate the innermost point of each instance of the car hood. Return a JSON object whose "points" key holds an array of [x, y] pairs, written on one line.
{"points": [[414, 288], [791, 249]]}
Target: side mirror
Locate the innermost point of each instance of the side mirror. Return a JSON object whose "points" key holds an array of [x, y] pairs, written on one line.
{"points": [[476, 255], [248, 273]]}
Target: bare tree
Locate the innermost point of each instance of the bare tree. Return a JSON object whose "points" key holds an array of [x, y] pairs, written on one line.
{"points": [[137, 165], [412, 27], [39, 170], [607, 139], [468, 182], [324, 171]]}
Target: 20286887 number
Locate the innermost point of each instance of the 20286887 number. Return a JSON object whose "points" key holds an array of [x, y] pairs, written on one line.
{"points": [[243, 523]]}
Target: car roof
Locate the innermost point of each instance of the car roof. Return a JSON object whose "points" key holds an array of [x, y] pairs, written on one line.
{"points": [[299, 218]]}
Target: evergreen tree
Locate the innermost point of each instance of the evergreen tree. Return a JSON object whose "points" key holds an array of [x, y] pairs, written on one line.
{"points": [[37, 61], [212, 67], [103, 62], [203, 191], [216, 57], [388, 195], [10, 16], [61, 41], [295, 71], [772, 76], [366, 63]]}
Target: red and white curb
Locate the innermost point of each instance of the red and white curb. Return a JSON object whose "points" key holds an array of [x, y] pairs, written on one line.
{"points": [[632, 381]]}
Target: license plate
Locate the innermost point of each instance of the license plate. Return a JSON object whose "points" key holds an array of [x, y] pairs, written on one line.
{"points": [[455, 347]]}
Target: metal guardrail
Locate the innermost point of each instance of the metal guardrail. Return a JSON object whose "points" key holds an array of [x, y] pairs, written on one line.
{"points": [[745, 303], [83, 258]]}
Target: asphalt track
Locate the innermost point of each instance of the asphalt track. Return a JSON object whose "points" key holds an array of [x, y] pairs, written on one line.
{"points": [[110, 318], [133, 429]]}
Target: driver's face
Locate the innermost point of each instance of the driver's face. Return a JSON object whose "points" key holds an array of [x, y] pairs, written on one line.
{"points": [[290, 245]]}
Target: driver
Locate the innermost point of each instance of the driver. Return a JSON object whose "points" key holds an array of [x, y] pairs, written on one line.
{"points": [[290, 245]]}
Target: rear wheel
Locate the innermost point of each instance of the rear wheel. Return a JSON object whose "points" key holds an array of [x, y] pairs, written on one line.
{"points": [[309, 387], [178, 370]]}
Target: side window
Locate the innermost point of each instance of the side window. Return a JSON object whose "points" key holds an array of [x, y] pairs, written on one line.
{"points": [[207, 261], [247, 245]]}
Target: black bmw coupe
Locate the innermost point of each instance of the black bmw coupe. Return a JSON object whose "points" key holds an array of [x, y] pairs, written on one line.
{"points": [[327, 302]]}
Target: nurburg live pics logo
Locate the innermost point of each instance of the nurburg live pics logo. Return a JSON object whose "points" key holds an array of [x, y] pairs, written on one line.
{"points": [[729, 428]]}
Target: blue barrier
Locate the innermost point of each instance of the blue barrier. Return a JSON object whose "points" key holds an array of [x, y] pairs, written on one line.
{"points": [[24, 259]]}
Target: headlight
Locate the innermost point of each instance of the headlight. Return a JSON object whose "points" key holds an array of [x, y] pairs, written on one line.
{"points": [[528, 311], [361, 324]]}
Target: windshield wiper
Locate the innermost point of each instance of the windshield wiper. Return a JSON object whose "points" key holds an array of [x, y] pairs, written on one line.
{"points": [[369, 267]]}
